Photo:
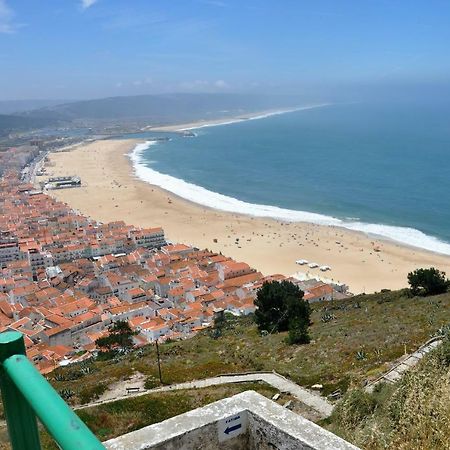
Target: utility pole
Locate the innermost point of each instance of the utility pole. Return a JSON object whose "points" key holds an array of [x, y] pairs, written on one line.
{"points": [[159, 361]]}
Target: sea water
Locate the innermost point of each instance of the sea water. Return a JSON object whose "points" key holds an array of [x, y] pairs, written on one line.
{"points": [[379, 168]]}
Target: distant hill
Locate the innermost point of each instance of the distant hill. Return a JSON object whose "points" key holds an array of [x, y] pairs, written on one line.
{"points": [[162, 108], [10, 124], [17, 106]]}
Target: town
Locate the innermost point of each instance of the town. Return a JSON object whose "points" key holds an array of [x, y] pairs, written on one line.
{"points": [[65, 278]]}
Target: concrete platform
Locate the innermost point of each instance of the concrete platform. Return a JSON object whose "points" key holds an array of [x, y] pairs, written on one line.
{"points": [[244, 421]]}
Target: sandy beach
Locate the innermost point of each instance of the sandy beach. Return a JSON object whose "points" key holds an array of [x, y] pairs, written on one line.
{"points": [[111, 192], [231, 119]]}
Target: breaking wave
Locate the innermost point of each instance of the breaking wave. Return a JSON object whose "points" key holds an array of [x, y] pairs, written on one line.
{"points": [[200, 195]]}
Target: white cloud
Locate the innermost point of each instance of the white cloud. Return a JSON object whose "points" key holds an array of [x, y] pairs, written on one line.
{"points": [[202, 85], [85, 4], [6, 18], [146, 80], [221, 84]]}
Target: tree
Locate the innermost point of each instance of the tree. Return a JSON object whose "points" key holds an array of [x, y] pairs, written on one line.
{"points": [[428, 282], [299, 320], [298, 332], [281, 307], [120, 337]]}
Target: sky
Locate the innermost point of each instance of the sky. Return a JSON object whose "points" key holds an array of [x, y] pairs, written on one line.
{"points": [[75, 49]]}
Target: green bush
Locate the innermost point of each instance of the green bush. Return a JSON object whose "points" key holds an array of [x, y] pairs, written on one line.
{"points": [[428, 282], [91, 393], [151, 382], [443, 352], [107, 355], [280, 303], [298, 332], [355, 407]]}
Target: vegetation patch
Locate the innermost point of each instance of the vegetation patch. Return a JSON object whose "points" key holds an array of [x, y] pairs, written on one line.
{"points": [[281, 307], [345, 351], [123, 416], [411, 414]]}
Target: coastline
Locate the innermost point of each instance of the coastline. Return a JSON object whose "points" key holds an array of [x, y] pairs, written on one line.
{"points": [[231, 119], [201, 196], [111, 191]]}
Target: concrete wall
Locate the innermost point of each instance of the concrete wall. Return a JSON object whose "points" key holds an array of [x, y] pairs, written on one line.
{"points": [[244, 421], [204, 438], [264, 435]]}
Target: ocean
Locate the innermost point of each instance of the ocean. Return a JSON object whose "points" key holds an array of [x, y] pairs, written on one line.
{"points": [[380, 168]]}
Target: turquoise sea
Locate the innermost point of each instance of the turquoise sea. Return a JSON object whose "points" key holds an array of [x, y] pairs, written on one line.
{"points": [[379, 168]]}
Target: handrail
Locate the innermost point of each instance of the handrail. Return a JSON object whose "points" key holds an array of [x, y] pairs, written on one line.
{"points": [[27, 394]]}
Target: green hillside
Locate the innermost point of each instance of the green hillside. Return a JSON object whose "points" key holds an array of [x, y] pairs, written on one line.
{"points": [[10, 124], [412, 414], [352, 341]]}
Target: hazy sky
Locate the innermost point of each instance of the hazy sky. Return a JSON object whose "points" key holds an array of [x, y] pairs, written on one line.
{"points": [[91, 48]]}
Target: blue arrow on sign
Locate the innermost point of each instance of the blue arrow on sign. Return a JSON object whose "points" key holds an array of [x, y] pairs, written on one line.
{"points": [[229, 430]]}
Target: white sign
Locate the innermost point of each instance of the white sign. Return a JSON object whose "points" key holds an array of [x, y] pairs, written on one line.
{"points": [[232, 426]]}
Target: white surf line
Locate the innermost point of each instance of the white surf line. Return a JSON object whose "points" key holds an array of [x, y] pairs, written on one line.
{"points": [[260, 116], [201, 196]]}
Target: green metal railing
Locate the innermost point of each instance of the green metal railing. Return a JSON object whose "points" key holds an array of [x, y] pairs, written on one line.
{"points": [[26, 394]]}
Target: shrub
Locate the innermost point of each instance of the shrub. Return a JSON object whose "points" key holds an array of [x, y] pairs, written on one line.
{"points": [[278, 304], [443, 352], [151, 382], [91, 393], [355, 407], [281, 307], [298, 332], [66, 394], [428, 282]]}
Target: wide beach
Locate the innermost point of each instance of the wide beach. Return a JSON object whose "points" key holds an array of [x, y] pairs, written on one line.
{"points": [[111, 192]]}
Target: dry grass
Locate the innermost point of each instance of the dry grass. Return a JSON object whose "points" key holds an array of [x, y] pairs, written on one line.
{"points": [[380, 326], [413, 414], [123, 416]]}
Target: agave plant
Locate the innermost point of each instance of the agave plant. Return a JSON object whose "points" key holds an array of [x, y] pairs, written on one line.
{"points": [[327, 317], [378, 352], [361, 355], [215, 333], [59, 377], [442, 331], [66, 394], [86, 370]]}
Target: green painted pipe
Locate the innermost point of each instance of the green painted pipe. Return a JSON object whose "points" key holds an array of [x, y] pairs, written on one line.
{"points": [[20, 418], [61, 422]]}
